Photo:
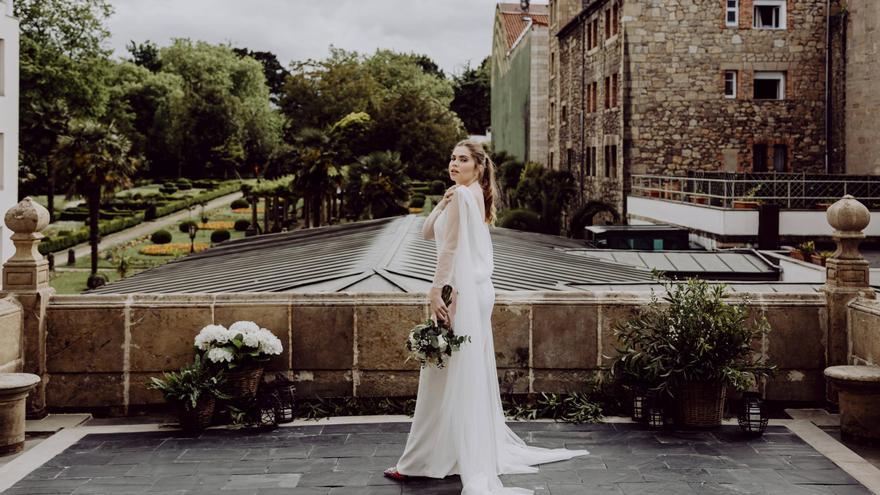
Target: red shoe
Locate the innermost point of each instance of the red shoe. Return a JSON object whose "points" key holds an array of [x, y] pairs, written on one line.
{"points": [[393, 474]]}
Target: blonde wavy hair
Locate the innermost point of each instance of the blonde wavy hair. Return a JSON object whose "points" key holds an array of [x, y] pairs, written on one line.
{"points": [[486, 176]]}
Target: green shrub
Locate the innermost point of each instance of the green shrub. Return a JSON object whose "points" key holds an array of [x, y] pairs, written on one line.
{"points": [[160, 237], [184, 226], [219, 236], [438, 187], [521, 219], [417, 201], [168, 189], [184, 186], [150, 212], [242, 225], [62, 233], [239, 203]]}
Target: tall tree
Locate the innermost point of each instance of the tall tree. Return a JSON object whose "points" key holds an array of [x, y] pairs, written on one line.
{"points": [[63, 63], [145, 54], [471, 102], [376, 185], [273, 70], [94, 159]]}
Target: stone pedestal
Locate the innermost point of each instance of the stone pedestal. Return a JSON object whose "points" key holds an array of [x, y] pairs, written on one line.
{"points": [[14, 388], [847, 276], [858, 390]]}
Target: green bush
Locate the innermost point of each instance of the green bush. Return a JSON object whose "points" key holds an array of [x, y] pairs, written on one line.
{"points": [[438, 187], [168, 189], [417, 201], [242, 225], [184, 186], [184, 226], [160, 237], [239, 203], [62, 233], [521, 219], [219, 236]]}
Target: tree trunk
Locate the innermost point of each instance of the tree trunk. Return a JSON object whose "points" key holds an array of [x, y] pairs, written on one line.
{"points": [[94, 200], [306, 215], [50, 190]]}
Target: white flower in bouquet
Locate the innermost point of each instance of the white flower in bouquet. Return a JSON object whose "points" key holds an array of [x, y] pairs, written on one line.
{"points": [[244, 327], [251, 339], [441, 343], [212, 335], [269, 343], [220, 355]]}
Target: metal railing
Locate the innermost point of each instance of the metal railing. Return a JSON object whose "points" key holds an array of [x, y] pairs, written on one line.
{"points": [[732, 190]]}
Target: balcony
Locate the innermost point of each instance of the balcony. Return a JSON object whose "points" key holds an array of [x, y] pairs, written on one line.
{"points": [[727, 209]]}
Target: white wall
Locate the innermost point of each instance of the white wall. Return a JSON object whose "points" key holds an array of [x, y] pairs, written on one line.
{"points": [[8, 121], [723, 221]]}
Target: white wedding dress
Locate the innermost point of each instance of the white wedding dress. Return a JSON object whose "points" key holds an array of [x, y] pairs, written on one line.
{"points": [[459, 426]]}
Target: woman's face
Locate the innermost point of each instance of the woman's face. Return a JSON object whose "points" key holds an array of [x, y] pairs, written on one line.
{"points": [[462, 168]]}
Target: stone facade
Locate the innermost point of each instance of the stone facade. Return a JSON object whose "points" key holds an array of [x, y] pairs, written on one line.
{"points": [[519, 82], [561, 13], [862, 72], [668, 112]]}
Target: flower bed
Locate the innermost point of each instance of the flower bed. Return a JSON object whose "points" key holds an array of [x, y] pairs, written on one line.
{"points": [[172, 249], [217, 226], [244, 211]]}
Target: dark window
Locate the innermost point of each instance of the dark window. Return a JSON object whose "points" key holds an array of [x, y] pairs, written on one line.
{"points": [[732, 11], [610, 160], [569, 159], [768, 88], [607, 24], [780, 158], [759, 158], [730, 84]]}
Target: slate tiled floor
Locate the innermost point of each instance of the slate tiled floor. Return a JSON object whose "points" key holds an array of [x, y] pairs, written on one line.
{"points": [[349, 459]]}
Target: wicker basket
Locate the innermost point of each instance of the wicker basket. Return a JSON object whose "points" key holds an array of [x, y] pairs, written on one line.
{"points": [[244, 381], [199, 418], [700, 404]]}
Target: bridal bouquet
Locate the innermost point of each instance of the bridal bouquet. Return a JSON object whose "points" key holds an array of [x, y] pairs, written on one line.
{"points": [[243, 343], [433, 342]]}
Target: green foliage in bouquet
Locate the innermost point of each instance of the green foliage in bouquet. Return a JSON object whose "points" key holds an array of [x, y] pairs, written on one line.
{"points": [[434, 342], [189, 384]]}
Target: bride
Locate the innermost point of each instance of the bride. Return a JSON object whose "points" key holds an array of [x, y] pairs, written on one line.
{"points": [[458, 426]]}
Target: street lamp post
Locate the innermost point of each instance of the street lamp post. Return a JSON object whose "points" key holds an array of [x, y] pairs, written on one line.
{"points": [[192, 237]]}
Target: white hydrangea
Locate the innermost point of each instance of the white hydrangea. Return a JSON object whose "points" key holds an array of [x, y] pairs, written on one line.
{"points": [[441, 343], [251, 339], [269, 343], [212, 335], [219, 355], [244, 327]]}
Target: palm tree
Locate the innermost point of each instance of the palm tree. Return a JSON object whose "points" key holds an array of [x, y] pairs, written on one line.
{"points": [[94, 160], [317, 175], [378, 184]]}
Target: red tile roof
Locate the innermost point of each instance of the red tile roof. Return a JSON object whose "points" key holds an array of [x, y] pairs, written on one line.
{"points": [[513, 23]]}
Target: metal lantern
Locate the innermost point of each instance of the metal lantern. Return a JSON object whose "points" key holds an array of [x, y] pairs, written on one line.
{"points": [[285, 392], [264, 412], [639, 405], [655, 414], [753, 416]]}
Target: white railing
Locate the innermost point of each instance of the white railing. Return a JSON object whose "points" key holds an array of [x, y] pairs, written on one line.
{"points": [[729, 190]]}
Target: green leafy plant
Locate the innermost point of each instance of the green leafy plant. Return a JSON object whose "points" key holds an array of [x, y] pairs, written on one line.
{"points": [[693, 335], [242, 225], [240, 203], [184, 226], [160, 237], [188, 385], [220, 235], [807, 248]]}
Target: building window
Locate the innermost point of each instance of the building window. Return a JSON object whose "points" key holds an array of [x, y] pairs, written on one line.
{"points": [[551, 160], [591, 162], [552, 112], [615, 86], [769, 85], [552, 64], [780, 158], [610, 160], [730, 84], [591, 97], [769, 14], [615, 24], [593, 34], [607, 23], [732, 18], [607, 92], [564, 114], [759, 157], [569, 159]]}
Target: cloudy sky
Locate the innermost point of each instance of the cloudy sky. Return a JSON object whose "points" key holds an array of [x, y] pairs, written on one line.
{"points": [[452, 32]]}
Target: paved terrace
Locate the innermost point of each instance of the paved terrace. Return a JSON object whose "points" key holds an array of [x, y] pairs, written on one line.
{"points": [[338, 459]]}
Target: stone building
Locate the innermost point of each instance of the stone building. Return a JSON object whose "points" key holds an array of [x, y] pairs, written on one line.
{"points": [[669, 86], [8, 119], [861, 63], [519, 81]]}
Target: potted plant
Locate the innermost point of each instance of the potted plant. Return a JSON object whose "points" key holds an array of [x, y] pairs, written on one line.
{"points": [[193, 391], [748, 201], [241, 351], [807, 249], [696, 344], [821, 257]]}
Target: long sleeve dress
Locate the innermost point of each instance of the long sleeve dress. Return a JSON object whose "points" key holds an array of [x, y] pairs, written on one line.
{"points": [[459, 425]]}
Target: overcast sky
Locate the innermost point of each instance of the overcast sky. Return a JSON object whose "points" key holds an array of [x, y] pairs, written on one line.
{"points": [[452, 32]]}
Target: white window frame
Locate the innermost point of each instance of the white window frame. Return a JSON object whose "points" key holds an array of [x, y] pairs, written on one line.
{"points": [[731, 96], [781, 4], [780, 76], [735, 10]]}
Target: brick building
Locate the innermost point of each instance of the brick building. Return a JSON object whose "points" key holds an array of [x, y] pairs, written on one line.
{"points": [[667, 86]]}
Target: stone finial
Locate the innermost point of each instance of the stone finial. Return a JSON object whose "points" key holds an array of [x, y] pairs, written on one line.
{"points": [[26, 270], [848, 216]]}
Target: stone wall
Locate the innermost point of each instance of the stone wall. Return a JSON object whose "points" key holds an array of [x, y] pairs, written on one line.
{"points": [[864, 332], [101, 350], [561, 13], [11, 338], [862, 71], [671, 56]]}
